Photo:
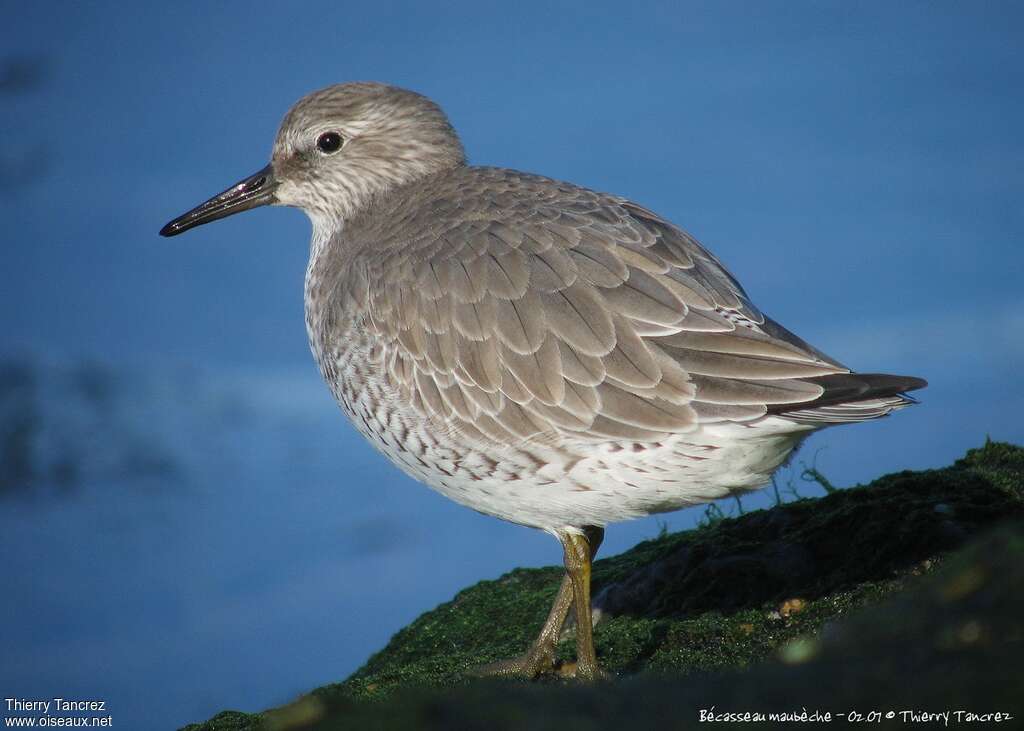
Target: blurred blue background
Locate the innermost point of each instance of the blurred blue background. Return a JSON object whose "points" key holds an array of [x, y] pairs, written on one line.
{"points": [[187, 523]]}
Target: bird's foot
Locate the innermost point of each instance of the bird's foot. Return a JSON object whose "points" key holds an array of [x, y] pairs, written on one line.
{"points": [[584, 673], [536, 662], [533, 663]]}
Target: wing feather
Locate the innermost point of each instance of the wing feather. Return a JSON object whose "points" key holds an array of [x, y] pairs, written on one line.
{"points": [[534, 308]]}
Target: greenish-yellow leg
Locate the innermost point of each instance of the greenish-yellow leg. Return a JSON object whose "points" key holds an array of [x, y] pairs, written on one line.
{"points": [[575, 589], [578, 557]]}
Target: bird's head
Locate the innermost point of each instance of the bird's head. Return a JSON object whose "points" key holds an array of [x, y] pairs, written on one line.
{"points": [[336, 150]]}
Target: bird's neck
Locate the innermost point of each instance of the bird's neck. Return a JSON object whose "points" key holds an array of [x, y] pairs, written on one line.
{"points": [[367, 187]]}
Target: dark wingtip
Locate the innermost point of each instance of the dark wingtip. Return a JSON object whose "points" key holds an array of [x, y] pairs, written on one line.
{"points": [[912, 383], [847, 388], [170, 230]]}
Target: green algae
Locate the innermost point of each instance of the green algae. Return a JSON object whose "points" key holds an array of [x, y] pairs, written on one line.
{"points": [[754, 598]]}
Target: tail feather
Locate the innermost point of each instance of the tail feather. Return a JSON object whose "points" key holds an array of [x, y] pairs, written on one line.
{"points": [[852, 397]]}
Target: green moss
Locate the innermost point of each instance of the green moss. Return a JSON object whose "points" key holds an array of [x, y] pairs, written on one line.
{"points": [[737, 596]]}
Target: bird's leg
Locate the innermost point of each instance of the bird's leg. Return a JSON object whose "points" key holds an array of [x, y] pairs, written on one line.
{"points": [[540, 657], [580, 549]]}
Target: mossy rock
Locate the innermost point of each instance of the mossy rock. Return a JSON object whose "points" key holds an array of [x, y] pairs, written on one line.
{"points": [[748, 614]]}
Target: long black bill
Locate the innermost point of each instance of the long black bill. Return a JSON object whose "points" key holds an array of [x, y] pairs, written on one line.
{"points": [[256, 190]]}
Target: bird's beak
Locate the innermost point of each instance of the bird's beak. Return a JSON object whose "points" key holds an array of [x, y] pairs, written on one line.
{"points": [[256, 190]]}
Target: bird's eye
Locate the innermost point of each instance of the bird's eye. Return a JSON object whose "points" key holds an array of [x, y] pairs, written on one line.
{"points": [[329, 142]]}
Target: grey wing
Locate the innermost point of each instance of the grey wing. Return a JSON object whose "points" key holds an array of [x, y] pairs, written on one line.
{"points": [[578, 316]]}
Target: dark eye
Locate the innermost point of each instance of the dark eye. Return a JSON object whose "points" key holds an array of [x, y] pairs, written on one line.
{"points": [[329, 142]]}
